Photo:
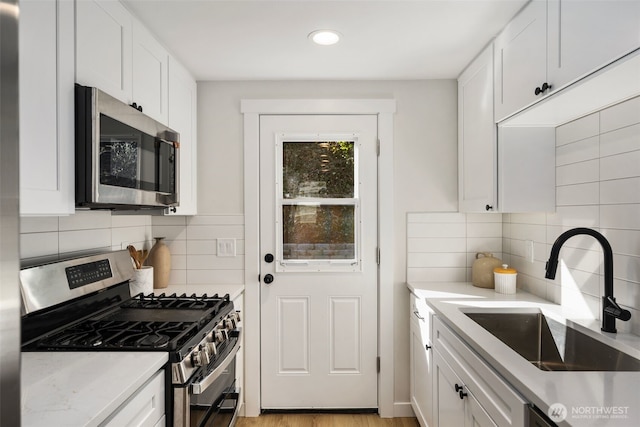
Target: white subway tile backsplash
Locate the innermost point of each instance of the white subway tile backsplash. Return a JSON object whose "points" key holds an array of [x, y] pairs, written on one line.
{"points": [[578, 173], [436, 244], [170, 232], [34, 245], [623, 242], [620, 216], [169, 220], [574, 216], [130, 220], [214, 277], [436, 217], [624, 114], [85, 220], [443, 259], [202, 247], [83, 240], [626, 165], [620, 141], [484, 244], [436, 230], [214, 262], [598, 186], [578, 194], [528, 218], [454, 274], [216, 220], [208, 232], [38, 224], [580, 151], [620, 191], [579, 129], [484, 229], [442, 246]]}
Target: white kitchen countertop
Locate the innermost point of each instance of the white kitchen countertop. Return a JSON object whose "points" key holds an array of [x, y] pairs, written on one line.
{"points": [[591, 398], [81, 388]]}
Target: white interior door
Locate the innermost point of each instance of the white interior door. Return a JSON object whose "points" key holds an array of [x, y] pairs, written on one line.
{"points": [[318, 243]]}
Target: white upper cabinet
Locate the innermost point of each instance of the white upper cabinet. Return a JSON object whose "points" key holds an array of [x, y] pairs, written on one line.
{"points": [[183, 119], [103, 47], [118, 55], [46, 43], [477, 168], [587, 35], [552, 43], [150, 86], [521, 59]]}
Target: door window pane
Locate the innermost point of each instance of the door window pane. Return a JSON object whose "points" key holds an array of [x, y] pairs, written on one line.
{"points": [[324, 232], [318, 169]]}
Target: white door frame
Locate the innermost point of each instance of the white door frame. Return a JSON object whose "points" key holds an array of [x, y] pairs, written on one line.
{"points": [[252, 109]]}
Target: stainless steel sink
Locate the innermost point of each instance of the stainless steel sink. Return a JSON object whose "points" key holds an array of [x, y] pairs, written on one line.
{"points": [[551, 346]]}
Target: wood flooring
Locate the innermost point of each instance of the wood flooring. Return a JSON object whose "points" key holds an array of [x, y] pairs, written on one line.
{"points": [[325, 420]]}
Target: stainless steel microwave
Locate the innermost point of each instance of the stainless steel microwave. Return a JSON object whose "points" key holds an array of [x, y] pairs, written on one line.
{"points": [[124, 159]]}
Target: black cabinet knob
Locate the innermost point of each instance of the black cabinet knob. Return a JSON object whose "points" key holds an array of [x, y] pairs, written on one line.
{"points": [[542, 89], [462, 394], [488, 207], [427, 347], [268, 278], [459, 387]]}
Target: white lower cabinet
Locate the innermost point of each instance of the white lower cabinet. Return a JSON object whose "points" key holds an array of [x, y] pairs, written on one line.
{"points": [[144, 408], [421, 358], [467, 392]]}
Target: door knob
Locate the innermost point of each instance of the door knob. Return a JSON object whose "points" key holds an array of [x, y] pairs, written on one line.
{"points": [[268, 258], [268, 278]]}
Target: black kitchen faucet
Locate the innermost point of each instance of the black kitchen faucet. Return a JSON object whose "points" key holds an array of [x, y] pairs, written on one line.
{"points": [[610, 309]]}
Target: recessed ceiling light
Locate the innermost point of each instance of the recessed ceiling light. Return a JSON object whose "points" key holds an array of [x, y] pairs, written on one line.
{"points": [[325, 37]]}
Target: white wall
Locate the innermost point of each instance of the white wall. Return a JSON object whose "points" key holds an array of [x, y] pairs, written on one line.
{"points": [[425, 155]]}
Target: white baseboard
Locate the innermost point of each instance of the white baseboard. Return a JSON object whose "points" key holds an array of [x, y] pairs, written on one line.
{"points": [[402, 409]]}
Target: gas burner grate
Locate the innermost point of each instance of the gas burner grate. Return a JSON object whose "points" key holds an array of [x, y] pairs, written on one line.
{"points": [[193, 302], [121, 335]]}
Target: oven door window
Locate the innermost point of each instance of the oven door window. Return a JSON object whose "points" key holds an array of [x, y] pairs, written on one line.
{"points": [[133, 159]]}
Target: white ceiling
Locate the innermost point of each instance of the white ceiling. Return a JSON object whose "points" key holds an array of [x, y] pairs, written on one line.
{"points": [[267, 40]]}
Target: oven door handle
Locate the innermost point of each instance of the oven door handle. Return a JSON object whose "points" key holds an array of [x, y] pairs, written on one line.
{"points": [[200, 386]]}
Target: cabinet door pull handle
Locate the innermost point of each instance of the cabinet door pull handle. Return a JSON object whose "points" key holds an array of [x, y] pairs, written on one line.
{"points": [[418, 315]]}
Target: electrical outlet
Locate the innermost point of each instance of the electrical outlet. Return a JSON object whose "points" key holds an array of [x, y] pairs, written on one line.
{"points": [[226, 247], [528, 244]]}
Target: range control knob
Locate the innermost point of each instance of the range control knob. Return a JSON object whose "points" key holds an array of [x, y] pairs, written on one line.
{"points": [[220, 336], [211, 348], [229, 323], [200, 357]]}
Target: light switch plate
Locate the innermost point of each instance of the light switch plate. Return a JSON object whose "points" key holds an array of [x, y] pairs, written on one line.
{"points": [[529, 250], [226, 247]]}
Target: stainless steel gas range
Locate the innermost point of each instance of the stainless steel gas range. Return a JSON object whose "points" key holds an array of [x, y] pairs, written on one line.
{"points": [[84, 304]]}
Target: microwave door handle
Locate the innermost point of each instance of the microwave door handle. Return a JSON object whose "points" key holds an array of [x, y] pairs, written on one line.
{"points": [[200, 386]]}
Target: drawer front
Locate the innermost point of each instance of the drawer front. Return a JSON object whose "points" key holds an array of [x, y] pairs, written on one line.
{"points": [[144, 408], [503, 404], [421, 317]]}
